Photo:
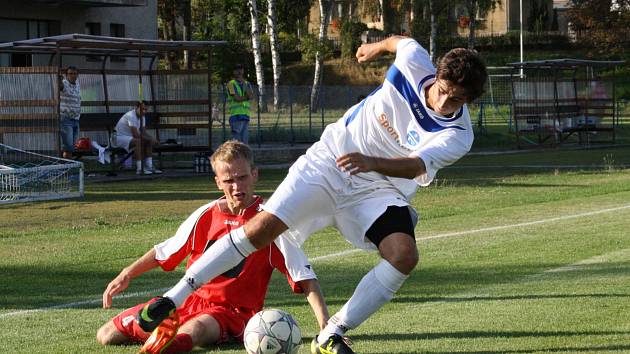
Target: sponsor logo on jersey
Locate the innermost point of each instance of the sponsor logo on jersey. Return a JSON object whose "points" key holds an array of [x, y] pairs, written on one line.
{"points": [[191, 282], [384, 122], [125, 321], [413, 138], [231, 222]]}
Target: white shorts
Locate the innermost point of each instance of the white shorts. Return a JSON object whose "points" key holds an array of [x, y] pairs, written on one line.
{"points": [[123, 141], [311, 198]]}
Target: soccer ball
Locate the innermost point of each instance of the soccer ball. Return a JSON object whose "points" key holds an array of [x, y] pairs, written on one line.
{"points": [[272, 331]]}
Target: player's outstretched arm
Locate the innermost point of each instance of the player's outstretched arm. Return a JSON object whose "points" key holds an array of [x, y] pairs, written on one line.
{"points": [[367, 52], [315, 298], [122, 280], [402, 167]]}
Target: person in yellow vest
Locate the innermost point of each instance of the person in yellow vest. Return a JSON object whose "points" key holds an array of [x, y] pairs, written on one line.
{"points": [[239, 93]]}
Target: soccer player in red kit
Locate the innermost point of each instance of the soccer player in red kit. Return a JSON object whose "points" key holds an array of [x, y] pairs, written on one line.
{"points": [[219, 310]]}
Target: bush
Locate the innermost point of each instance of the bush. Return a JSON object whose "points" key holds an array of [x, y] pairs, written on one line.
{"points": [[310, 45], [351, 37], [289, 42]]}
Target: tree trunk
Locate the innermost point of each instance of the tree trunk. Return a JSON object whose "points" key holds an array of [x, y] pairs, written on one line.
{"points": [[260, 79], [472, 15], [275, 51], [324, 15], [169, 31], [186, 30], [434, 30]]}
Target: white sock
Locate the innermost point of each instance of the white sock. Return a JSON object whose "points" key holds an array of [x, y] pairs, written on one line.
{"points": [[376, 288], [148, 163], [138, 165], [225, 254]]}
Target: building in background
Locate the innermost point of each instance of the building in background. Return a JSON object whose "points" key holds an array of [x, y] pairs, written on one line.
{"points": [[27, 19], [538, 15]]}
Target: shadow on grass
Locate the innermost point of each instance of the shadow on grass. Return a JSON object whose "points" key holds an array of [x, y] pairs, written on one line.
{"points": [[29, 287]]}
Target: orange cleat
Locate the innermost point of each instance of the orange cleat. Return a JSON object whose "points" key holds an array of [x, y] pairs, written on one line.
{"points": [[162, 336]]}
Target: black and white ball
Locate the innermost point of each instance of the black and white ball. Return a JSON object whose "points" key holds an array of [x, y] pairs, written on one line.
{"points": [[272, 331]]}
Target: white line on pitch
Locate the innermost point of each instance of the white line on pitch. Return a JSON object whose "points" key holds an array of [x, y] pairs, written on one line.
{"points": [[342, 253]]}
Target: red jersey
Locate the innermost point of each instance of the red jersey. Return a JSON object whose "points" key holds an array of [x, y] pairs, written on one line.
{"points": [[243, 286]]}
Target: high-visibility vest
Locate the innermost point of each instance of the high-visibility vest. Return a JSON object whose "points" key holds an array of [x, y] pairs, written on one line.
{"points": [[237, 108]]}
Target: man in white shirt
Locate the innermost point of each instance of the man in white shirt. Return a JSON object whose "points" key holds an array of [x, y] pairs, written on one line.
{"points": [[359, 178], [131, 132]]}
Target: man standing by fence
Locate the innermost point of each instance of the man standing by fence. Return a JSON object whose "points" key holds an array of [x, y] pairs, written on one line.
{"points": [[69, 110], [239, 93]]}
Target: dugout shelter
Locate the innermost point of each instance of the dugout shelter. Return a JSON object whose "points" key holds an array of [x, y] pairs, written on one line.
{"points": [[179, 101], [561, 101]]}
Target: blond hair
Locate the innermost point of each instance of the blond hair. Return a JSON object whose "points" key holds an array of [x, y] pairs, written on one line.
{"points": [[232, 150]]}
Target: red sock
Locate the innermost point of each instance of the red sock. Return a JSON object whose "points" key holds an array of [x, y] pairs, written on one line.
{"points": [[181, 344]]}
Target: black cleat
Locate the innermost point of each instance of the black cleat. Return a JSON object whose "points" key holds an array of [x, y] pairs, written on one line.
{"points": [[334, 345], [154, 312]]}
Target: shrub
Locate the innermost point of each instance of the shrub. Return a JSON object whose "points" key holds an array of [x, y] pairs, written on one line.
{"points": [[351, 37], [310, 45]]}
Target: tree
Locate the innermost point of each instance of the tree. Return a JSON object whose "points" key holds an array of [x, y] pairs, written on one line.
{"points": [[602, 24], [325, 7], [538, 16], [260, 78], [168, 29], [275, 51], [475, 8], [183, 10]]}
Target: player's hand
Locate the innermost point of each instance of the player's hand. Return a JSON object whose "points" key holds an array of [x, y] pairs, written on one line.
{"points": [[116, 286], [356, 162], [368, 52]]}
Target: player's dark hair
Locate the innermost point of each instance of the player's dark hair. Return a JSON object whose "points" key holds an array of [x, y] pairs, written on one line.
{"points": [[232, 150], [465, 68], [71, 68], [140, 103]]}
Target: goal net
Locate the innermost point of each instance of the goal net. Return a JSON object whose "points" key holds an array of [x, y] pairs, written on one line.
{"points": [[28, 176]]}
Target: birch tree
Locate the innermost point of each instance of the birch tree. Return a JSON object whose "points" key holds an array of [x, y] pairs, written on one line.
{"points": [[260, 79], [325, 7], [275, 51]]}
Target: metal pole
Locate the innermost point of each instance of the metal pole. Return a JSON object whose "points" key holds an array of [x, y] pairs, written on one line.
{"points": [[58, 106], [209, 74], [258, 138], [291, 117], [223, 99], [105, 91], [521, 24], [140, 95]]}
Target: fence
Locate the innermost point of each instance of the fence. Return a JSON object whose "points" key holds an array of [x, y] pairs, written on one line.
{"points": [[28, 107]]}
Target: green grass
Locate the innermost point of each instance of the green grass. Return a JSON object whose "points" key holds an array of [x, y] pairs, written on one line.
{"points": [[514, 259]]}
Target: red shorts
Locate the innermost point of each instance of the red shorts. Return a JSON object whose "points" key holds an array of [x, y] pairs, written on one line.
{"points": [[231, 320]]}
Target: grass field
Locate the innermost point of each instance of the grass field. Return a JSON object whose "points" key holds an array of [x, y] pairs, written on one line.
{"points": [[521, 253]]}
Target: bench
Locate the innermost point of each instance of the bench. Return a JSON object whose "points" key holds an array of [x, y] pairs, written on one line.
{"points": [[107, 122], [558, 120]]}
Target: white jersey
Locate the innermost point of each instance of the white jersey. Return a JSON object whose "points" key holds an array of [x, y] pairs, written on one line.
{"points": [[394, 121], [127, 121]]}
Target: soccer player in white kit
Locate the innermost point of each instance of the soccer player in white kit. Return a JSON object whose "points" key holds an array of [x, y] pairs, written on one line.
{"points": [[359, 178]]}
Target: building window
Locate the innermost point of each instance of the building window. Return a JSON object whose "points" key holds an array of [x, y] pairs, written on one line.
{"points": [[18, 30], [117, 30], [94, 29]]}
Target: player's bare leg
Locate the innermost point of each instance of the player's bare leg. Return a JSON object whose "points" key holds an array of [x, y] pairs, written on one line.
{"points": [[108, 334], [203, 330]]}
